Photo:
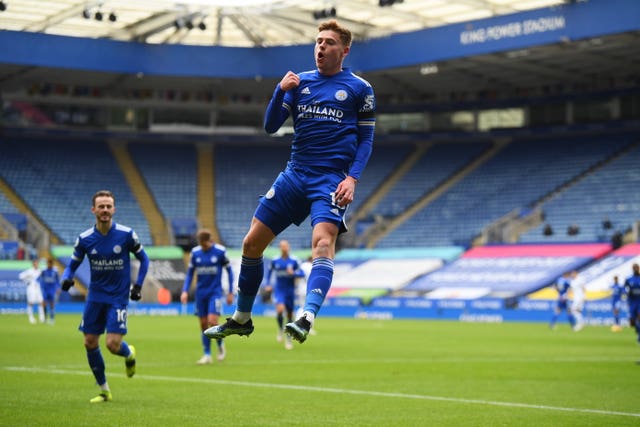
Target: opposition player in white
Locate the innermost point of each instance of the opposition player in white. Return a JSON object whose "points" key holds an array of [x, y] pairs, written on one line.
{"points": [[31, 277], [578, 288]]}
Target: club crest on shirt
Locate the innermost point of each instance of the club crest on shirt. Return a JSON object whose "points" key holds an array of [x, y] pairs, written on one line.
{"points": [[270, 193], [341, 95], [214, 259], [117, 249]]}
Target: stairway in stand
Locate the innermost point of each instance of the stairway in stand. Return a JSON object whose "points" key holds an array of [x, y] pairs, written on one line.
{"points": [[206, 190], [157, 223]]}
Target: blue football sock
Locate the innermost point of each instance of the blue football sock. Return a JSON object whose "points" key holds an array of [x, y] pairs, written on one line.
{"points": [[96, 363], [249, 280], [206, 344], [280, 319], [124, 350], [318, 284]]}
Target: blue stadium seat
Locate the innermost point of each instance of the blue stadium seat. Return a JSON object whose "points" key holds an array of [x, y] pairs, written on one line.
{"points": [[383, 161], [240, 180], [607, 193], [57, 179], [436, 165], [516, 177], [170, 171]]}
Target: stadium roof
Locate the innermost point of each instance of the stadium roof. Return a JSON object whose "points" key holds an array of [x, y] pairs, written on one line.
{"points": [[246, 23], [590, 62]]}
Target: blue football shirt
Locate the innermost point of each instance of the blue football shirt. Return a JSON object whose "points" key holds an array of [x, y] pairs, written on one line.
{"points": [[563, 285], [617, 291], [632, 286], [286, 270], [329, 114], [109, 261], [49, 280], [208, 265]]}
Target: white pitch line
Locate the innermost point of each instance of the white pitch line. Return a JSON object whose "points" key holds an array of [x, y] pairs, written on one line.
{"points": [[587, 359], [334, 390], [423, 361]]}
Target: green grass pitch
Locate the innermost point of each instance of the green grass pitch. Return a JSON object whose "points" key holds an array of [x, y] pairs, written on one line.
{"points": [[352, 373]]}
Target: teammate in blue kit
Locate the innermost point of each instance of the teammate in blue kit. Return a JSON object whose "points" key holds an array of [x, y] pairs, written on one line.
{"points": [[632, 288], [207, 261], [617, 292], [107, 245], [333, 113], [286, 270], [50, 286], [562, 285]]}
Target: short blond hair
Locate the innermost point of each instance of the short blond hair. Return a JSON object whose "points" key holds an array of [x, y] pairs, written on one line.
{"points": [[344, 33]]}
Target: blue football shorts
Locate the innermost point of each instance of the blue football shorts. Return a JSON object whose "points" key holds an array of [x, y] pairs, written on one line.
{"points": [[616, 305], [208, 304], [48, 295], [99, 316], [562, 304], [284, 296], [299, 192]]}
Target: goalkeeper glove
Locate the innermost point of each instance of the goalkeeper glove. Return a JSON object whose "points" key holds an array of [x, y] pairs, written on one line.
{"points": [[66, 284], [136, 292]]}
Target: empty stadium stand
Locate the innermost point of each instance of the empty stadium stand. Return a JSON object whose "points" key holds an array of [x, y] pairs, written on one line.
{"points": [[384, 160], [243, 174], [6, 206], [57, 178], [169, 171], [606, 193], [522, 173], [437, 164], [580, 180]]}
